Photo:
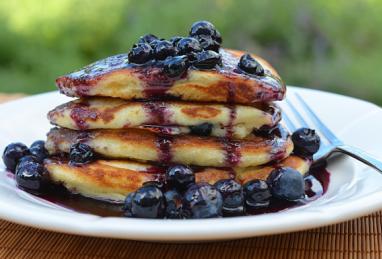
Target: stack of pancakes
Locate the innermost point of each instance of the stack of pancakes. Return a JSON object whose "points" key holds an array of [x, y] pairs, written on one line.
{"points": [[221, 122]]}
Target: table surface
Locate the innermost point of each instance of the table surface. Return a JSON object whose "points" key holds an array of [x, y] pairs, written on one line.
{"points": [[359, 238]]}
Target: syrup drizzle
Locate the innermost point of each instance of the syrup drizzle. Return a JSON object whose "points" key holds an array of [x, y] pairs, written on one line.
{"points": [[231, 148], [159, 115], [157, 111], [79, 115], [163, 144], [157, 82], [156, 170], [232, 152]]}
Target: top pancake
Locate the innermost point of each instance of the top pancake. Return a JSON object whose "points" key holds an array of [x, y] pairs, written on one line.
{"points": [[115, 77]]}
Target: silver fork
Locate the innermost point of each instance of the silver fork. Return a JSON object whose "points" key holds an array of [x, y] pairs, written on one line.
{"points": [[332, 143]]}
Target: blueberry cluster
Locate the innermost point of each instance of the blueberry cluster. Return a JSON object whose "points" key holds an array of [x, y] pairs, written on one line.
{"points": [[199, 50], [181, 197], [27, 165]]}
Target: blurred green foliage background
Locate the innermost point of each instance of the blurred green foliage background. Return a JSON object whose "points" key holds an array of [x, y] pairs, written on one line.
{"points": [[330, 45]]}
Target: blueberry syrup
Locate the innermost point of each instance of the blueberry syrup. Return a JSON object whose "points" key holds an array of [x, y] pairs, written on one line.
{"points": [[88, 76], [232, 118], [232, 109], [322, 176], [80, 114], [159, 115], [157, 112], [232, 152], [60, 196], [163, 144], [156, 170], [230, 147], [156, 82]]}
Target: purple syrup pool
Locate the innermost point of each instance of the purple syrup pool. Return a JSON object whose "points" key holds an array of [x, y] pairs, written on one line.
{"points": [[317, 182]]}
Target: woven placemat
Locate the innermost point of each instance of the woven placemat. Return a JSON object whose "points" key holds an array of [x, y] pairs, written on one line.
{"points": [[359, 238], [9, 97]]}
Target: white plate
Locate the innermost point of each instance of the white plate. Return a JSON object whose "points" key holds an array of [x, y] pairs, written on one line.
{"points": [[354, 190]]}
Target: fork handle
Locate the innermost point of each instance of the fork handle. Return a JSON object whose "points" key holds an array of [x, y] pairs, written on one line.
{"points": [[361, 156]]}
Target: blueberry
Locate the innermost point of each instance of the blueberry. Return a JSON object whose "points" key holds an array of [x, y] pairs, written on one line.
{"points": [[233, 197], [202, 200], [158, 184], [12, 153], [180, 177], [164, 49], [249, 65], [174, 40], [175, 66], [147, 38], [218, 37], [203, 129], [191, 57], [208, 43], [207, 59], [154, 43], [188, 45], [148, 202], [174, 206], [205, 28], [80, 153], [140, 54], [26, 160], [31, 175], [306, 142], [38, 150], [257, 194], [286, 183], [128, 204]]}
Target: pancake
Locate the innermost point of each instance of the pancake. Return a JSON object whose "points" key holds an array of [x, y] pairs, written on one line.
{"points": [[144, 145], [113, 113], [112, 180], [115, 77]]}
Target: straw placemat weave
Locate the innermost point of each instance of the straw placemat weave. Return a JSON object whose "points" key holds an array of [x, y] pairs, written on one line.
{"points": [[360, 238], [9, 97]]}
